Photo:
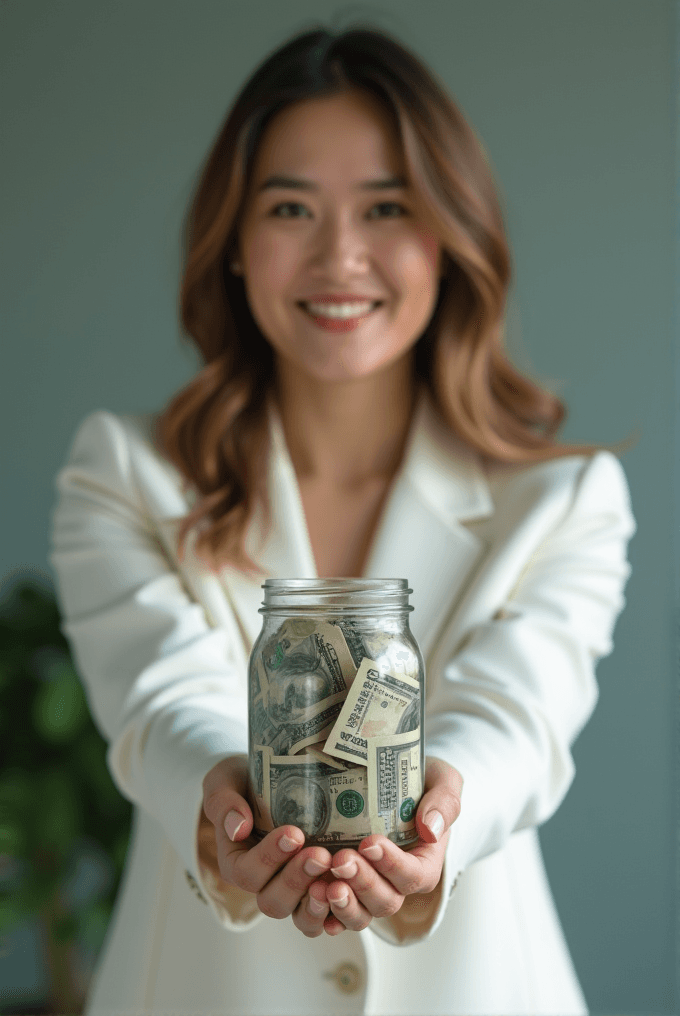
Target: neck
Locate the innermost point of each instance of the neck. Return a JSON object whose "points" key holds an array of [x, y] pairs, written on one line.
{"points": [[346, 432]]}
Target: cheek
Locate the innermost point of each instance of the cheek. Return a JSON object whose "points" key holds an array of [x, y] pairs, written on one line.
{"points": [[415, 268], [415, 258], [271, 261]]}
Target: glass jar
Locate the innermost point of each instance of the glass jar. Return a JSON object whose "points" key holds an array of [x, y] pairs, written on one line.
{"points": [[336, 711]]}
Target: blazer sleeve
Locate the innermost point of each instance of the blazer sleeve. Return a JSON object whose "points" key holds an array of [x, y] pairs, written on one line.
{"points": [[162, 685], [509, 704]]}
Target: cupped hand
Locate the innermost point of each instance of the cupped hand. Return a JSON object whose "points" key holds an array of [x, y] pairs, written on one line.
{"points": [[276, 869], [375, 880]]}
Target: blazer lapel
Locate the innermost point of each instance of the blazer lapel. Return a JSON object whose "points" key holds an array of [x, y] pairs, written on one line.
{"points": [[421, 536], [284, 551]]}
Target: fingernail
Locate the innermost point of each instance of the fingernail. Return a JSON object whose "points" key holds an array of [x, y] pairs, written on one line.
{"points": [[342, 902], [374, 853], [287, 845], [313, 867], [315, 907], [435, 823], [347, 870], [233, 823]]}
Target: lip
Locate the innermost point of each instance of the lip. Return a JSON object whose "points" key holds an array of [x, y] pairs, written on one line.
{"points": [[341, 298], [338, 324]]}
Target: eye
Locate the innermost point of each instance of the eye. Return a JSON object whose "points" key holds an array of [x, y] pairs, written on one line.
{"points": [[286, 204], [391, 204], [295, 204]]}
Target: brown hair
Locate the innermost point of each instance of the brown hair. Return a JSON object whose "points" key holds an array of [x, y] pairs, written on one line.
{"points": [[215, 429]]}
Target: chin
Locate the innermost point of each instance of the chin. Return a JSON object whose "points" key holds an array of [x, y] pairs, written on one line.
{"points": [[351, 367], [339, 373]]}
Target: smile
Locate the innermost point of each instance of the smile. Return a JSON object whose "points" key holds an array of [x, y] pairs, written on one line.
{"points": [[339, 317]]}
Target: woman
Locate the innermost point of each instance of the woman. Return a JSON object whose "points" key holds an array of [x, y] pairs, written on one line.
{"points": [[345, 281]]}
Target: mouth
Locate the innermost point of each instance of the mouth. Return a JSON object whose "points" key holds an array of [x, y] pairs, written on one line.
{"points": [[339, 317]]}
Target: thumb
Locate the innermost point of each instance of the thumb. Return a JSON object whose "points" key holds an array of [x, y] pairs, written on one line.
{"points": [[440, 804], [224, 802]]}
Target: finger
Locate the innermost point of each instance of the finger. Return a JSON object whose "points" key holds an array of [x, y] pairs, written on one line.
{"points": [[347, 910], [283, 893], [224, 802], [409, 871], [376, 894], [440, 805], [312, 911], [251, 865], [332, 926]]}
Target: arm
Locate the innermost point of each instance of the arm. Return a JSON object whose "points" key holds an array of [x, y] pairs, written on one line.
{"points": [[508, 704], [164, 688]]}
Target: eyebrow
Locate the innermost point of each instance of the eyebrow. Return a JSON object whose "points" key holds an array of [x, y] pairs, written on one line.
{"points": [[298, 183]]}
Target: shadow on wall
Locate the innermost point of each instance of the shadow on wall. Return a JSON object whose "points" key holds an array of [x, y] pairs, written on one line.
{"points": [[64, 827]]}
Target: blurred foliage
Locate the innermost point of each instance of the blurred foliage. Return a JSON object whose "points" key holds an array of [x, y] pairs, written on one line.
{"points": [[58, 803]]}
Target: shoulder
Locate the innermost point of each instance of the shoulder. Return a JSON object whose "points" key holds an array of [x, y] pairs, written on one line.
{"points": [[599, 475], [128, 434], [102, 429], [455, 478], [574, 490], [120, 450]]}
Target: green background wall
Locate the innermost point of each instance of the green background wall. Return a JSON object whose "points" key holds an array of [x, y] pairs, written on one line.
{"points": [[107, 110]]}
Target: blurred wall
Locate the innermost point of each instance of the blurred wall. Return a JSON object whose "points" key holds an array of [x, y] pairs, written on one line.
{"points": [[107, 111]]}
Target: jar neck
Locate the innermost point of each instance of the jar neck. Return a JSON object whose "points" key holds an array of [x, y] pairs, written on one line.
{"points": [[350, 596]]}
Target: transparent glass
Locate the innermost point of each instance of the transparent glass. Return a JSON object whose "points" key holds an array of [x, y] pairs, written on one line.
{"points": [[336, 712]]}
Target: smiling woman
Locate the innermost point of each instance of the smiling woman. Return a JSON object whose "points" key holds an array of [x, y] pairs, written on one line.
{"points": [[356, 416], [324, 126]]}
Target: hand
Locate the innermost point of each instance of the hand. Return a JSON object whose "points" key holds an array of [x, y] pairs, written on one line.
{"points": [[376, 880], [276, 869]]}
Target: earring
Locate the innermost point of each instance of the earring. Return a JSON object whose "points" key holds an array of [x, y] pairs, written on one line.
{"points": [[235, 267]]}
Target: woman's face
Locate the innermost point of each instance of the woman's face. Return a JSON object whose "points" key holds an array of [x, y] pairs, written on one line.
{"points": [[335, 237]]}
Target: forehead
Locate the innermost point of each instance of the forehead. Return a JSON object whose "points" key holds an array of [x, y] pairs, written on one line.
{"points": [[344, 136]]}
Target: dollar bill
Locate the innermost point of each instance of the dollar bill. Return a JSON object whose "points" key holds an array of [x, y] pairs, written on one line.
{"points": [[298, 684], [353, 638], [323, 698], [386, 648], [310, 648], [319, 755], [391, 653], [288, 738], [377, 704], [259, 794], [395, 785], [330, 806]]}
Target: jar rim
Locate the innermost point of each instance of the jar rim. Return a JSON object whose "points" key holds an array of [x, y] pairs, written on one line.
{"points": [[350, 594], [343, 584]]}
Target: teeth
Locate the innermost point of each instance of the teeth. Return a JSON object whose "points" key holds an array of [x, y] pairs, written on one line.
{"points": [[339, 310]]}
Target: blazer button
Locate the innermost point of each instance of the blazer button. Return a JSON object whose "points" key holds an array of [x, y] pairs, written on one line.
{"points": [[347, 977]]}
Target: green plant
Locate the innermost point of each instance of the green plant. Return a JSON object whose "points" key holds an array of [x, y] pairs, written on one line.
{"points": [[58, 803]]}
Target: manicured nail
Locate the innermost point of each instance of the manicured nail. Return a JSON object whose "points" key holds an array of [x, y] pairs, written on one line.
{"points": [[435, 823], [313, 867], [287, 845], [374, 853], [347, 870], [316, 908], [342, 902], [233, 823]]}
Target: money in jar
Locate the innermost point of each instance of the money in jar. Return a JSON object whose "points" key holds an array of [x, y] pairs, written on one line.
{"points": [[336, 711]]}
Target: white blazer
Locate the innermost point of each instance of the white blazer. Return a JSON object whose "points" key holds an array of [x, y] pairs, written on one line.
{"points": [[517, 576]]}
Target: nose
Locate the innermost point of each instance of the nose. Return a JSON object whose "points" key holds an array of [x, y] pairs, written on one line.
{"points": [[341, 246]]}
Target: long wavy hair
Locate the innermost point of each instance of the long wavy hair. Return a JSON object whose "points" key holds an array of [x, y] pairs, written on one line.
{"points": [[215, 429]]}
